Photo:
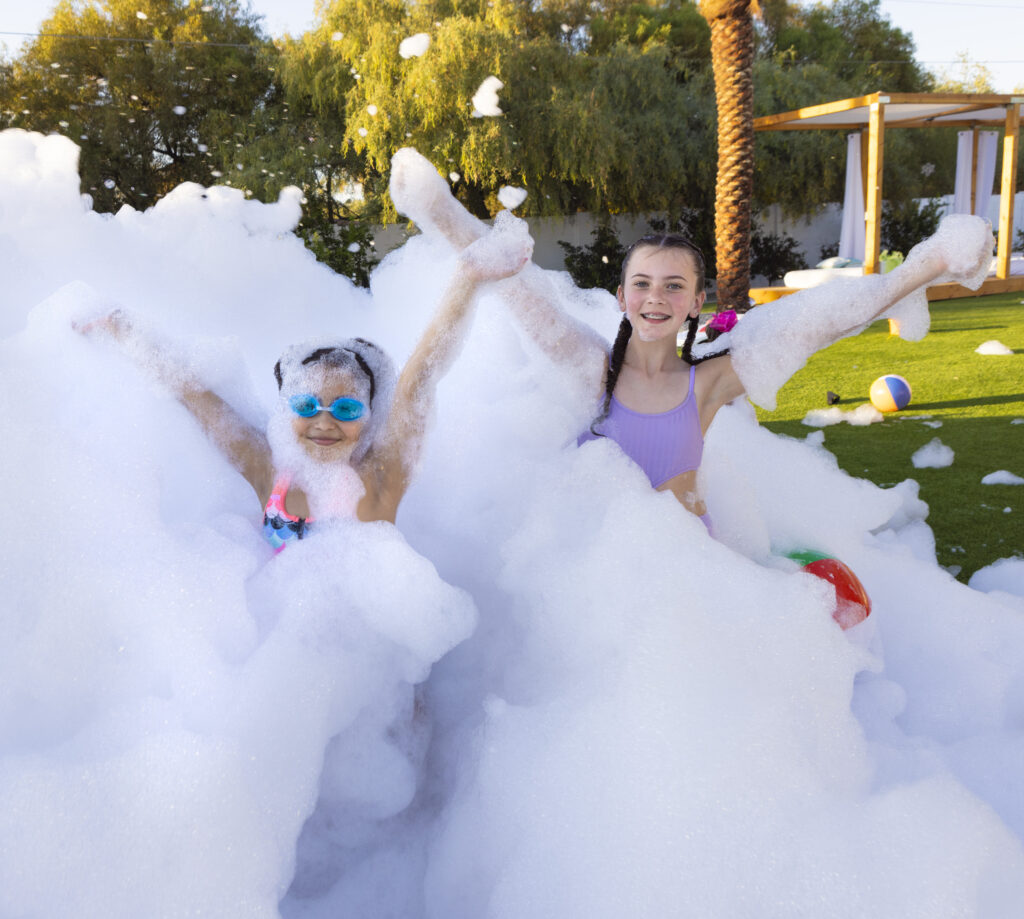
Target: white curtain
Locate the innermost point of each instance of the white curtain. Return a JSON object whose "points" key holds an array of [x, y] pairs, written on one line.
{"points": [[851, 235], [984, 171]]}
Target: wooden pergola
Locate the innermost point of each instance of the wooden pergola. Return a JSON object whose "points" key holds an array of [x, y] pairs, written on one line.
{"points": [[873, 114]]}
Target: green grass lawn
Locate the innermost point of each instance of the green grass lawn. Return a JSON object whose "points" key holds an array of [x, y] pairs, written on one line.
{"points": [[975, 397]]}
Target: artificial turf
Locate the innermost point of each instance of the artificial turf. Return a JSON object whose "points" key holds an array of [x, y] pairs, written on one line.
{"points": [[978, 399]]}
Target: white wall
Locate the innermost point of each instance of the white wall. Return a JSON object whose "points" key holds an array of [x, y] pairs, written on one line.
{"points": [[811, 233]]}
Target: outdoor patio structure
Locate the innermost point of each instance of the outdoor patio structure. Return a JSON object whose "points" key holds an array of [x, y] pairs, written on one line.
{"points": [[872, 115]]}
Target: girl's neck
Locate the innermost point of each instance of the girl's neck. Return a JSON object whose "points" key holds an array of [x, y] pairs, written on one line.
{"points": [[652, 358]]}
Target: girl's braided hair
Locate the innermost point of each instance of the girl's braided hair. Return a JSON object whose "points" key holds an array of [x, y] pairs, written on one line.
{"points": [[618, 354]]}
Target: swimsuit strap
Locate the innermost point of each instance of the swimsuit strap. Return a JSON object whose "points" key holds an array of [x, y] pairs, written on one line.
{"points": [[278, 494], [663, 444], [278, 524]]}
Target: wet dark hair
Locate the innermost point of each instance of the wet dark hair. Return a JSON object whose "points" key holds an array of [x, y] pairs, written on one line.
{"points": [[327, 356], [666, 241], [618, 353]]}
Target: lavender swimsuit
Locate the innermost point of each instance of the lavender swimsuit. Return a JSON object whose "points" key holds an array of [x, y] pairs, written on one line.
{"points": [[663, 444]]}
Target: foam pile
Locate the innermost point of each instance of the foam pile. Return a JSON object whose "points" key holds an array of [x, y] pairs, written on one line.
{"points": [[547, 692]]}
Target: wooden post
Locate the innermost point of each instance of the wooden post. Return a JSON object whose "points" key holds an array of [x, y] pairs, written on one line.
{"points": [[873, 188], [1009, 187], [974, 169], [864, 168]]}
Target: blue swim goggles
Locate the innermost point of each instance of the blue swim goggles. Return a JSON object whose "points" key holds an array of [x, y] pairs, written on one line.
{"points": [[344, 409]]}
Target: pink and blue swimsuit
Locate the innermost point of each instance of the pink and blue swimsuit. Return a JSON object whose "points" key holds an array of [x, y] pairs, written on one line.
{"points": [[278, 525]]}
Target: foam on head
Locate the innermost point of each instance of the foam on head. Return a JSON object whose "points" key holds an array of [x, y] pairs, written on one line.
{"points": [[298, 368]]}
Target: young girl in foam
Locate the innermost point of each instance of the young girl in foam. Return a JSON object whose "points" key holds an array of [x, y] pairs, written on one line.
{"points": [[656, 406], [346, 436]]}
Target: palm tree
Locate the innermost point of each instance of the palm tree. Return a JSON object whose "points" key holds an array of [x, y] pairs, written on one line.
{"points": [[732, 55]]}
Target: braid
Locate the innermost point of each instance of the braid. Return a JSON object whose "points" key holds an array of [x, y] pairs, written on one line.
{"points": [[618, 355], [686, 352], [691, 333]]}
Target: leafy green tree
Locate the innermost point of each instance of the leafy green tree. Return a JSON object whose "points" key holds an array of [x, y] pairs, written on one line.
{"points": [[146, 88], [288, 142], [621, 127], [160, 92], [678, 27], [800, 170], [853, 39], [966, 76]]}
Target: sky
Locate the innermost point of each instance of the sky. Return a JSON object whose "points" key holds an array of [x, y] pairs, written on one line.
{"points": [[990, 32]]}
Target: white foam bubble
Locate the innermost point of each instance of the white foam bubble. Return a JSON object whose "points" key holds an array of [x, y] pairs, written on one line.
{"points": [[933, 455], [1002, 477], [861, 416], [485, 99], [414, 46], [643, 717], [993, 347], [511, 197]]}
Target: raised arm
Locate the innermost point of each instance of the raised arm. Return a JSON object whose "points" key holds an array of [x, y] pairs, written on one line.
{"points": [[500, 254], [420, 193], [244, 446], [775, 340]]}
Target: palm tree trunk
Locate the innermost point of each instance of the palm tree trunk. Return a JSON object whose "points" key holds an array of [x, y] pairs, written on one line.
{"points": [[732, 54]]}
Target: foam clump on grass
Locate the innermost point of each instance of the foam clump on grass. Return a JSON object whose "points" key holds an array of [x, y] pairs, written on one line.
{"points": [[1007, 575], [1002, 477], [993, 347], [1003, 580], [933, 455], [861, 416]]}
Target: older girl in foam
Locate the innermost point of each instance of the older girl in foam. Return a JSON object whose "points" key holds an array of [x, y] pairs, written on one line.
{"points": [[346, 437], [656, 406]]}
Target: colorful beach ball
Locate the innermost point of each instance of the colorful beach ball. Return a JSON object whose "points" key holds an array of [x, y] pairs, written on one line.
{"points": [[852, 604], [890, 393]]}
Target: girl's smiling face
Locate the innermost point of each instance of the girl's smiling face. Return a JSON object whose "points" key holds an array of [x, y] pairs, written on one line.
{"points": [[323, 437], [660, 291]]}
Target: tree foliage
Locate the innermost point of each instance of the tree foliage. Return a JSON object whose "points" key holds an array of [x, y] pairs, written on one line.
{"points": [[966, 76], [145, 88], [852, 39], [606, 107], [601, 109]]}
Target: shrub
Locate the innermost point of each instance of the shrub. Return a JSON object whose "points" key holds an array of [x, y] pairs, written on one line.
{"points": [[906, 223], [345, 246], [599, 264], [773, 254]]}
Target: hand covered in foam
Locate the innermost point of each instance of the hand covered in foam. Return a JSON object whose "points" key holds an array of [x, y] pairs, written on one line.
{"points": [[775, 340], [416, 186], [501, 253], [960, 251], [116, 325]]}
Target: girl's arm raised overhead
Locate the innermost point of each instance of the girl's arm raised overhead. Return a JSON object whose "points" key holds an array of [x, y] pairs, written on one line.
{"points": [[775, 340], [420, 193], [499, 254], [244, 446]]}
